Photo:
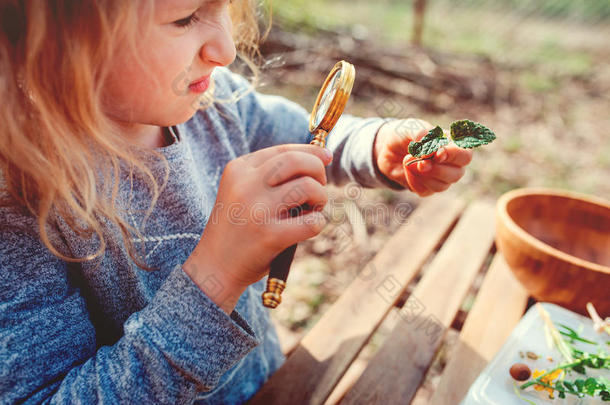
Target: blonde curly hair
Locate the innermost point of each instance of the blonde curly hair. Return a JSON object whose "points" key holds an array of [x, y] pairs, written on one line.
{"points": [[59, 152]]}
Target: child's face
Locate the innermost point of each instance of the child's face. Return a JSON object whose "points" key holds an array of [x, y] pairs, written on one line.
{"points": [[187, 40]]}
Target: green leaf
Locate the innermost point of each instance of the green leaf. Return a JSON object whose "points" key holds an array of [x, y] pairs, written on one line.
{"points": [[568, 385], [590, 386], [433, 141], [468, 134], [580, 369]]}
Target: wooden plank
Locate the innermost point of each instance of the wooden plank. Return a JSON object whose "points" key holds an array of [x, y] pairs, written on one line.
{"points": [[348, 380], [498, 307], [358, 366], [398, 368], [316, 365]]}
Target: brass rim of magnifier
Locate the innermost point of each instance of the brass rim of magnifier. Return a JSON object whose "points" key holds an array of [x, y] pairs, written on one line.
{"points": [[337, 105]]}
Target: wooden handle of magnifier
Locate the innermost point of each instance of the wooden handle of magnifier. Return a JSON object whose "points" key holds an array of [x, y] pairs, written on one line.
{"points": [[278, 274], [280, 266]]}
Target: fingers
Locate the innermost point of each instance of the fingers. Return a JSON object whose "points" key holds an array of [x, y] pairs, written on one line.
{"points": [[431, 176], [259, 157], [416, 185], [442, 172], [453, 155], [425, 186], [289, 165], [302, 227], [300, 191]]}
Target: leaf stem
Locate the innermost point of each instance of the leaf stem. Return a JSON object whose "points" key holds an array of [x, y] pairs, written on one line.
{"points": [[573, 335], [552, 387], [420, 160]]}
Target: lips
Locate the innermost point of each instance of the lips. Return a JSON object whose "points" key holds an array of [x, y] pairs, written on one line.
{"points": [[200, 85]]}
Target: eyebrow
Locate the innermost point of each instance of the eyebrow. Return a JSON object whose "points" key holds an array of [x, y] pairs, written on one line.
{"points": [[191, 5], [176, 6], [171, 9]]}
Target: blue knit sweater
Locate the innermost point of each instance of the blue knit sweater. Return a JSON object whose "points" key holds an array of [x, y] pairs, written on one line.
{"points": [[108, 331]]}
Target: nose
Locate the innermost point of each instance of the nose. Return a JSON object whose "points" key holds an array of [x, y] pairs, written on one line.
{"points": [[219, 48]]}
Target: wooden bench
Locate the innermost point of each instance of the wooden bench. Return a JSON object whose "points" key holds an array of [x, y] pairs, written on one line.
{"points": [[437, 255]]}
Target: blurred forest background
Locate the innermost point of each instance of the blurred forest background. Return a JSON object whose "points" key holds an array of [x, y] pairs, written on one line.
{"points": [[536, 72]]}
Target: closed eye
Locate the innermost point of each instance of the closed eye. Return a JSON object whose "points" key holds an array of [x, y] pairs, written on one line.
{"points": [[187, 22]]}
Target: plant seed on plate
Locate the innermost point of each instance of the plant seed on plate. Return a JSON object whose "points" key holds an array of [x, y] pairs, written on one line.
{"points": [[520, 372]]}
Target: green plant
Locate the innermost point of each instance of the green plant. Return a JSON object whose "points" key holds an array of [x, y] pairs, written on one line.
{"points": [[465, 134]]}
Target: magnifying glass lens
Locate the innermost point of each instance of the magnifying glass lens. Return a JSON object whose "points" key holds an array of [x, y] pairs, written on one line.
{"points": [[327, 98]]}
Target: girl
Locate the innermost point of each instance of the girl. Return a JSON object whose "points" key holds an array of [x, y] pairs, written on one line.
{"points": [[143, 199]]}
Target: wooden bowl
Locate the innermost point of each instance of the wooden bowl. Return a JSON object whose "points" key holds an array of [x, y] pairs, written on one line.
{"points": [[557, 244]]}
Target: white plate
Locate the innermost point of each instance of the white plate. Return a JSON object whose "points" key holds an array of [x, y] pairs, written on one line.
{"points": [[494, 386]]}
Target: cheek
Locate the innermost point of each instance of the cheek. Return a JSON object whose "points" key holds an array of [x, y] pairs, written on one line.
{"points": [[122, 81], [147, 85], [170, 69], [132, 86]]}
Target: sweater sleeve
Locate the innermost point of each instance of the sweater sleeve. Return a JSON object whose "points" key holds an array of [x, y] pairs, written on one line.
{"points": [[270, 120], [177, 345]]}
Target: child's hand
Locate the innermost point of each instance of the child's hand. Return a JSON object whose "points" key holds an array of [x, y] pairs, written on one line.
{"points": [[250, 224], [391, 151]]}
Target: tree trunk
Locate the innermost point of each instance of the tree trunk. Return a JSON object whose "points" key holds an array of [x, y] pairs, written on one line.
{"points": [[419, 8]]}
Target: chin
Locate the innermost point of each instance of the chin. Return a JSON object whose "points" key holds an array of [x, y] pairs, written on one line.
{"points": [[184, 111], [181, 117], [199, 103]]}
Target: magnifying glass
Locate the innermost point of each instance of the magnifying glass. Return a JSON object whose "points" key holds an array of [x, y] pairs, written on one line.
{"points": [[326, 111]]}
